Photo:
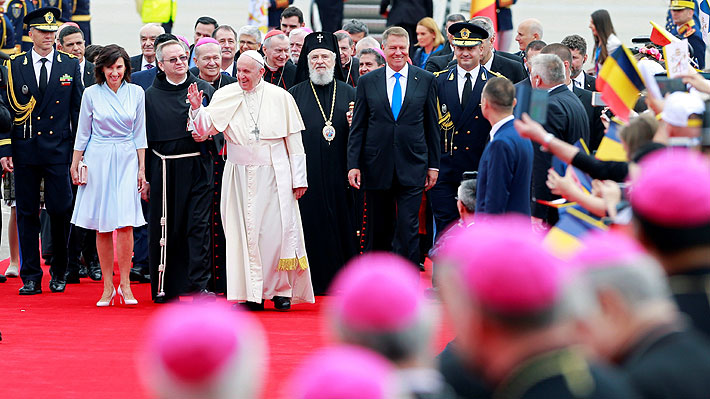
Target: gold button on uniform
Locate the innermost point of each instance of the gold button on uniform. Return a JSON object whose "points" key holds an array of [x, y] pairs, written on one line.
{"points": [[476, 117], [39, 133], [57, 101], [51, 117], [468, 132], [51, 132], [38, 118], [456, 148]]}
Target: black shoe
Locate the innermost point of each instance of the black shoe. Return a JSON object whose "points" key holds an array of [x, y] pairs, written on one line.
{"points": [[83, 271], [137, 276], [30, 288], [57, 285], [205, 295], [71, 277], [94, 271], [161, 299], [281, 303], [2, 278]]}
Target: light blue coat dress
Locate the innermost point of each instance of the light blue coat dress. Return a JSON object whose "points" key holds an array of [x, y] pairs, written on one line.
{"points": [[111, 127]]}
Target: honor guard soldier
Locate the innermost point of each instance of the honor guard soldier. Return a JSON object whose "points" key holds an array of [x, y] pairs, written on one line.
{"points": [[7, 42], [81, 14], [44, 91], [464, 130], [65, 6], [682, 13], [17, 10]]}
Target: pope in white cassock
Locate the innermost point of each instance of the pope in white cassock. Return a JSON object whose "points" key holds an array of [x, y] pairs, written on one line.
{"points": [[264, 176]]}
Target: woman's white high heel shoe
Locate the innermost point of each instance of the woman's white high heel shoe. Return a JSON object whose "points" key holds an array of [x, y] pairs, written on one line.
{"points": [[102, 304], [123, 299]]}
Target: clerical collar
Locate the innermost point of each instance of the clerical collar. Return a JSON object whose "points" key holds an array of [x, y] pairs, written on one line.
{"points": [[167, 79], [270, 67]]}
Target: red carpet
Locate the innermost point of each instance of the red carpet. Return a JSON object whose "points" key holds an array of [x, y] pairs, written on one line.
{"points": [[63, 346]]}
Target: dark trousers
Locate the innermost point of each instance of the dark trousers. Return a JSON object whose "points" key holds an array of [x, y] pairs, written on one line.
{"points": [[443, 205], [58, 199], [45, 234], [140, 243], [331, 15], [392, 221]]}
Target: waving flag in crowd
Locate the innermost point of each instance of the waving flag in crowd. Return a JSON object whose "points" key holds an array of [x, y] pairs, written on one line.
{"points": [[620, 82], [485, 8]]}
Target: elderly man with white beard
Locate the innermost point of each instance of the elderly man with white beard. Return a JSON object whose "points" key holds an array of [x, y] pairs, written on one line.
{"points": [[264, 176], [327, 209]]}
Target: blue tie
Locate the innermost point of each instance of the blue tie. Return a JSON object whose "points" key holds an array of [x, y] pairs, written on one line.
{"points": [[396, 96]]}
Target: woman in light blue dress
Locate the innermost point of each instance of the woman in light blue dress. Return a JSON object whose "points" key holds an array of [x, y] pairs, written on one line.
{"points": [[111, 138]]}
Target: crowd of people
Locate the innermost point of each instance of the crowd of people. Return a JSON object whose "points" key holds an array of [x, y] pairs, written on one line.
{"points": [[295, 163]]}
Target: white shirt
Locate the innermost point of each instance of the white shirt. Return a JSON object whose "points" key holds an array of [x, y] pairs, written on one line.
{"points": [[37, 64], [570, 86], [553, 88], [82, 64], [462, 78], [174, 83], [144, 63], [579, 80], [389, 73], [499, 124]]}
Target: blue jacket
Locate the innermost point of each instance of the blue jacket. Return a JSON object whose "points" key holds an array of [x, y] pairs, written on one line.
{"points": [[505, 173], [145, 78]]}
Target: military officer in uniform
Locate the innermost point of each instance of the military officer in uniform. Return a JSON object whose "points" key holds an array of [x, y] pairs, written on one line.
{"points": [[682, 13], [65, 6], [44, 91], [464, 130], [7, 42], [82, 16], [16, 11]]}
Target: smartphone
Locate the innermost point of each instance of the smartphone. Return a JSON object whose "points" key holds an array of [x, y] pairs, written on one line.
{"points": [[597, 100], [668, 85], [532, 101]]}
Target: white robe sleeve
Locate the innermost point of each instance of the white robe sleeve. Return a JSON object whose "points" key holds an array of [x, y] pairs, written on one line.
{"points": [[297, 158], [201, 122]]}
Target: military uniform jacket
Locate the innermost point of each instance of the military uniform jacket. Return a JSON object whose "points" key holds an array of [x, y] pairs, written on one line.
{"points": [[16, 11], [464, 132], [44, 125]]}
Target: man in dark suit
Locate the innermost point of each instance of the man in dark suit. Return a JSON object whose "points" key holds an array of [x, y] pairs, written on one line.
{"points": [[566, 120], [393, 148], [146, 60], [492, 60], [505, 170], [350, 64], [578, 46], [463, 128], [45, 98], [596, 127], [406, 14]]}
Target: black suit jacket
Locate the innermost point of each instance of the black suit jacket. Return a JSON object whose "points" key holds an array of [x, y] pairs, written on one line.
{"points": [[89, 77], [596, 127], [511, 56], [50, 139], [590, 82], [382, 147], [136, 63], [406, 12], [437, 63], [513, 70], [567, 120]]}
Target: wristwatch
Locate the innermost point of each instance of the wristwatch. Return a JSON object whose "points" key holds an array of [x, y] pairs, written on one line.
{"points": [[546, 141]]}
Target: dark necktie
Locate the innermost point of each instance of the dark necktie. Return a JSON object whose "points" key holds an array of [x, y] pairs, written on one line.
{"points": [[467, 90], [43, 76], [149, 66]]}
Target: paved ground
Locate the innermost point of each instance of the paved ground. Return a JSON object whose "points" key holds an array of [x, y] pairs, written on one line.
{"points": [[116, 21]]}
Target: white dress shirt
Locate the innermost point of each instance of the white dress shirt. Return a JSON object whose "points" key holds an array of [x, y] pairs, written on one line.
{"points": [[462, 78], [82, 64], [499, 124], [553, 88], [579, 80], [37, 64], [490, 61], [389, 73], [570, 86], [144, 63]]}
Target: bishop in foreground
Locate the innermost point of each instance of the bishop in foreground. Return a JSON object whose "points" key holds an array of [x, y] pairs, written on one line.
{"points": [[264, 176]]}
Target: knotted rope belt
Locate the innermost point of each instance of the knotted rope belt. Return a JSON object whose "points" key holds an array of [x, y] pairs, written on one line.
{"points": [[164, 217]]}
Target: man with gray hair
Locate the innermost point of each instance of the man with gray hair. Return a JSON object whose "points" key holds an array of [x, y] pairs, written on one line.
{"points": [[280, 71], [498, 61], [180, 173], [351, 65], [365, 43], [634, 322], [566, 120], [146, 59], [329, 202], [356, 29], [248, 38], [296, 38]]}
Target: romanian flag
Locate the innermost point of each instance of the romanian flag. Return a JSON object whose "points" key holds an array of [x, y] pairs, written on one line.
{"points": [[485, 8], [610, 148], [564, 239], [660, 36], [620, 82]]}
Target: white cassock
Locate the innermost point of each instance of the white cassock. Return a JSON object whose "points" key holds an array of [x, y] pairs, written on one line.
{"points": [[266, 255]]}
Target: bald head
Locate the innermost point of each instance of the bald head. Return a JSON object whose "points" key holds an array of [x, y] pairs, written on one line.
{"points": [[528, 30]]}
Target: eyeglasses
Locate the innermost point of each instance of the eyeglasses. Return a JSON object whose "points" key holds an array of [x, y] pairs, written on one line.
{"points": [[174, 60]]}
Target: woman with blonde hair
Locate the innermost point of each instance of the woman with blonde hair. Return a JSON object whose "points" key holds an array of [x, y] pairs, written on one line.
{"points": [[429, 41]]}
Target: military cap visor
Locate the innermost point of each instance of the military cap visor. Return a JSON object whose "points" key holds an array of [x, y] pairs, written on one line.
{"points": [[467, 35], [682, 5], [44, 19]]}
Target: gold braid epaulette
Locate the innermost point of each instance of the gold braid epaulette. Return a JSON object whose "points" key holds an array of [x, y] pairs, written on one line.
{"points": [[436, 74], [65, 53], [23, 111], [500, 75]]}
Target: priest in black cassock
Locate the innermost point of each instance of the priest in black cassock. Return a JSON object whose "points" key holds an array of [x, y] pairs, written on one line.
{"points": [[327, 208], [180, 175]]}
